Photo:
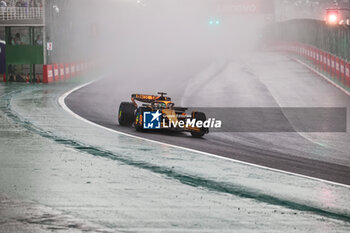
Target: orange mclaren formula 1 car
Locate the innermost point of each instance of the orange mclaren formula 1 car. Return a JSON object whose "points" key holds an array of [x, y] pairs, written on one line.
{"points": [[158, 112]]}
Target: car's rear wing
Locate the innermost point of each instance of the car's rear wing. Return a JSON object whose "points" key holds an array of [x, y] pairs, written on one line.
{"points": [[148, 98]]}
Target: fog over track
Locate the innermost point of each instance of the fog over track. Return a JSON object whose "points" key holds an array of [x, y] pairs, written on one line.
{"points": [[255, 80], [93, 179]]}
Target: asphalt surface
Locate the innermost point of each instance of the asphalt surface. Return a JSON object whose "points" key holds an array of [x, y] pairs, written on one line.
{"points": [[233, 84]]}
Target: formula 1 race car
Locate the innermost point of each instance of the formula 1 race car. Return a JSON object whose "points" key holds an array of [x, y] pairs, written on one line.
{"points": [[158, 112]]}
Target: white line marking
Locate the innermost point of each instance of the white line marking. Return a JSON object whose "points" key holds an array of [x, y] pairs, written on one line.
{"points": [[323, 76], [62, 103]]}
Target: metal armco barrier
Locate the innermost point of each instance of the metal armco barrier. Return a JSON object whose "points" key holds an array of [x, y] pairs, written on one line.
{"points": [[337, 68]]}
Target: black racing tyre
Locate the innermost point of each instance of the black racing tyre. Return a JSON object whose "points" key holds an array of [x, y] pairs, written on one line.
{"points": [[126, 114], [199, 116]]}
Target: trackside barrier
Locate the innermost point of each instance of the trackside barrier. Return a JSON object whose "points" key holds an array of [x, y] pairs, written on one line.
{"points": [[47, 74], [61, 71], [56, 72], [72, 70], [82, 67], [336, 67], [67, 71], [77, 68]]}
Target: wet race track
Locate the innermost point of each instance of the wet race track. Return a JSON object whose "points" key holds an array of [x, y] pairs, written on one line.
{"points": [[58, 172], [234, 83], [280, 162]]}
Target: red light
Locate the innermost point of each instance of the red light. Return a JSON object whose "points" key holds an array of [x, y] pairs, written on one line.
{"points": [[332, 17]]}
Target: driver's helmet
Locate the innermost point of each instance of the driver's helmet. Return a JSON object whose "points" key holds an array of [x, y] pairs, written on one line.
{"points": [[159, 105], [162, 105]]}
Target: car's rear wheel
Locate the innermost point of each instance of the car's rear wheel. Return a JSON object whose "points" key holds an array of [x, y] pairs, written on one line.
{"points": [[199, 116], [126, 114]]}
